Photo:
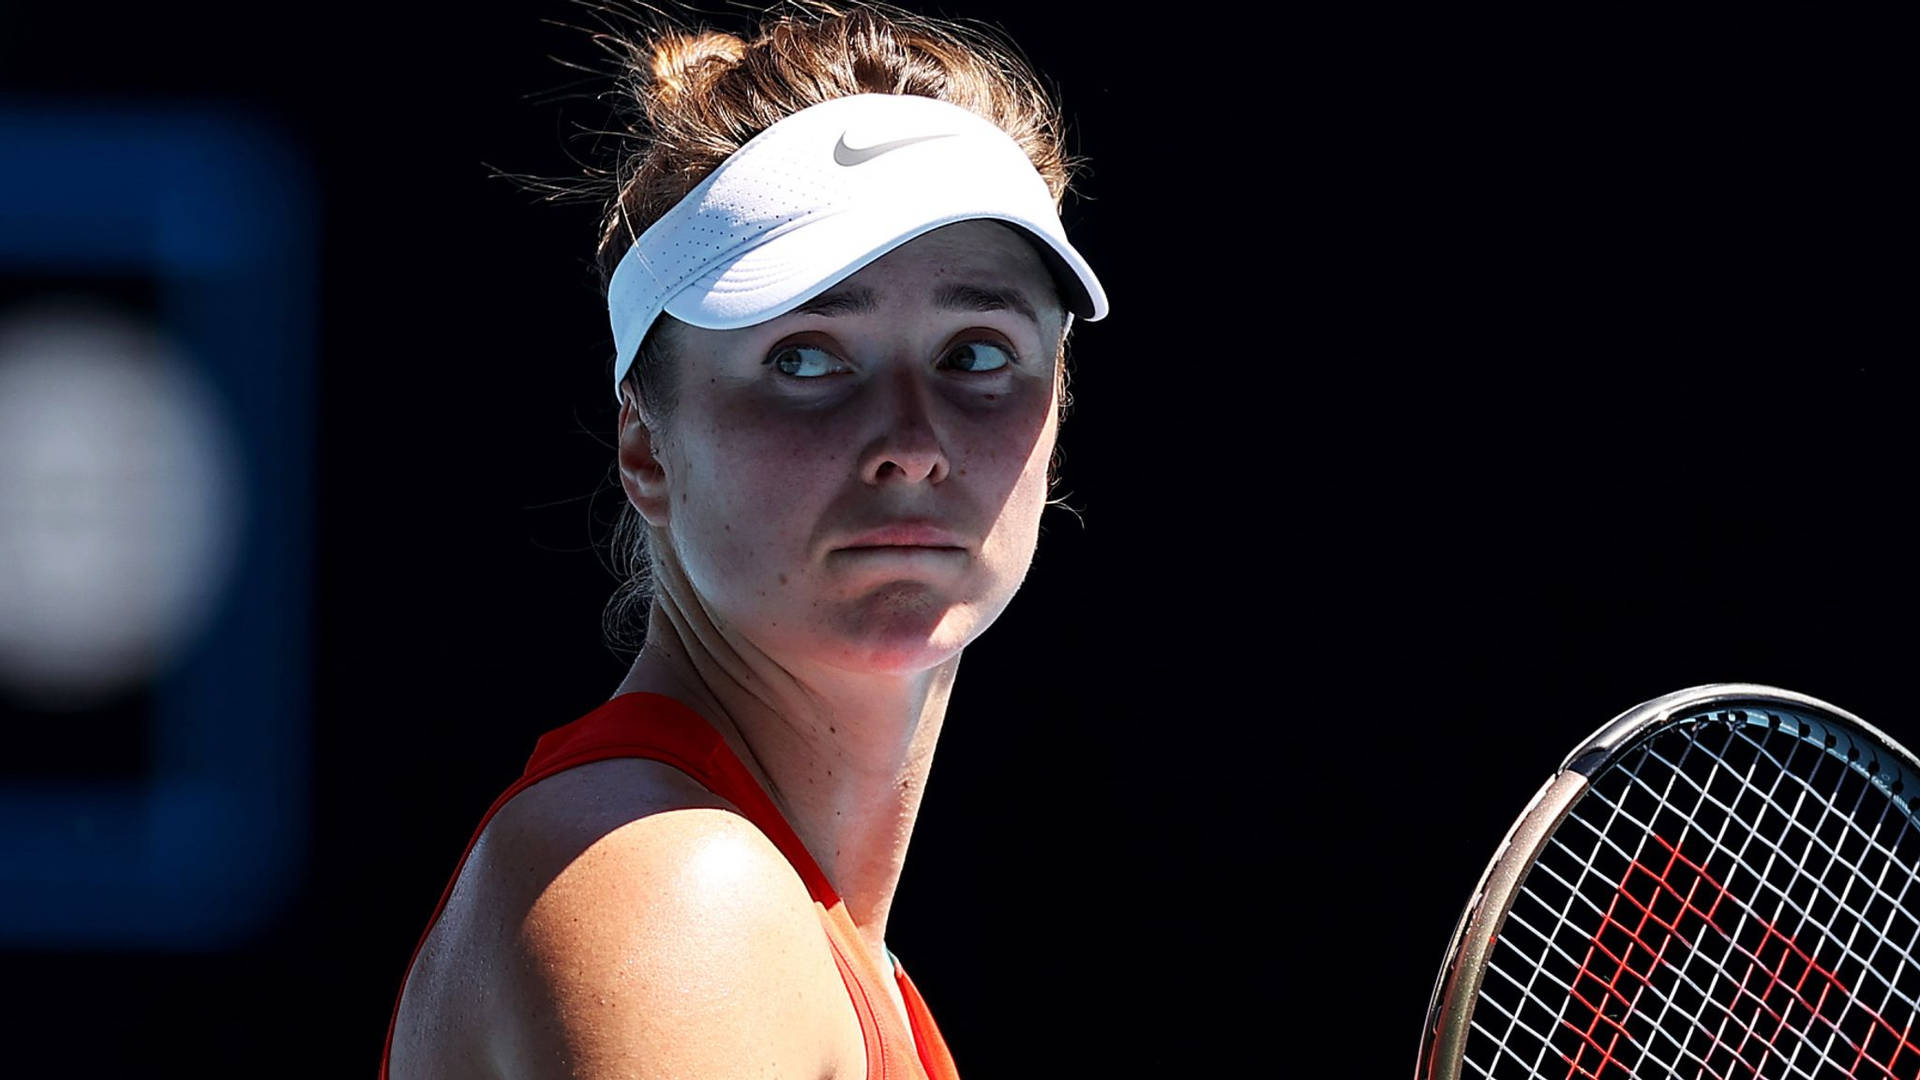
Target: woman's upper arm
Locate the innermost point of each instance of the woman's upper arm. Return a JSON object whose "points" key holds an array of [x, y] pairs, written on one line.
{"points": [[676, 944]]}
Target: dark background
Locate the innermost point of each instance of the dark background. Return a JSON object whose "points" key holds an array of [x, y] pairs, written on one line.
{"points": [[1467, 383]]}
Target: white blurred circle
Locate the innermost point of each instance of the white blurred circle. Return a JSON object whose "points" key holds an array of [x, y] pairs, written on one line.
{"points": [[119, 502]]}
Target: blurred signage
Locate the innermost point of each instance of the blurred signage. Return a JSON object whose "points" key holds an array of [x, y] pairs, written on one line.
{"points": [[156, 428]]}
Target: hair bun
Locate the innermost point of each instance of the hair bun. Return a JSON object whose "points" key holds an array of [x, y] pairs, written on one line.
{"points": [[684, 64]]}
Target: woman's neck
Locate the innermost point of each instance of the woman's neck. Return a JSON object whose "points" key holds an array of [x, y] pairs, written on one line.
{"points": [[844, 757]]}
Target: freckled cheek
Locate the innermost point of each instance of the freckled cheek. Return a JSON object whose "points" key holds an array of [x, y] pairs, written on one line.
{"points": [[752, 494], [1017, 465], [1032, 489]]}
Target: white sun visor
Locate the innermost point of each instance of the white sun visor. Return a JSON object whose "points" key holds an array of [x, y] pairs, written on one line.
{"points": [[821, 194]]}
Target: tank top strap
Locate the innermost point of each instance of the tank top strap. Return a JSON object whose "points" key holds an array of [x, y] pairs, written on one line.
{"points": [[927, 1040], [663, 729]]}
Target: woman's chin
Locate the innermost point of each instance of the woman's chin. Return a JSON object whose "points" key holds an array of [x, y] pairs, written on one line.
{"points": [[903, 633]]}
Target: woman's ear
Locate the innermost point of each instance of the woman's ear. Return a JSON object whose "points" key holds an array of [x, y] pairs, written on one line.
{"points": [[642, 473]]}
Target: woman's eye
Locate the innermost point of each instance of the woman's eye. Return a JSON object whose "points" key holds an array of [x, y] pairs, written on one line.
{"points": [[979, 356], [805, 361]]}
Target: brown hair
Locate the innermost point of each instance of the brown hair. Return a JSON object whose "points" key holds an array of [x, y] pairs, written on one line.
{"points": [[692, 97]]}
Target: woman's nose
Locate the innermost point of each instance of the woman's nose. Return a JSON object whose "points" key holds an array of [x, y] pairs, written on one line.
{"points": [[909, 447]]}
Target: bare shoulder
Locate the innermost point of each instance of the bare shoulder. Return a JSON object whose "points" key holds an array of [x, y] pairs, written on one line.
{"points": [[621, 921]]}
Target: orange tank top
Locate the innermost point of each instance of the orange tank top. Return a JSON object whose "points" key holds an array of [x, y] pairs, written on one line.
{"points": [[662, 729]]}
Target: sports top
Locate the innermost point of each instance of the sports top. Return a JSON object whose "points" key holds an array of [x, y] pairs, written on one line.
{"points": [[641, 725]]}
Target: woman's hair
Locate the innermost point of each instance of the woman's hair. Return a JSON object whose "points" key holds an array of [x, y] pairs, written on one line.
{"points": [[691, 97]]}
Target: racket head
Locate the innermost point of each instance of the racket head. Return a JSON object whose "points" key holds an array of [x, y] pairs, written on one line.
{"points": [[1844, 742]]}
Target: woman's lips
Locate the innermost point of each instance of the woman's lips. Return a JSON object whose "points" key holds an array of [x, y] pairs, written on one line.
{"points": [[905, 535]]}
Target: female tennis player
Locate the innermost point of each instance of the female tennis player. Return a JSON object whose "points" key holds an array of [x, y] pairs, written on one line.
{"points": [[840, 292]]}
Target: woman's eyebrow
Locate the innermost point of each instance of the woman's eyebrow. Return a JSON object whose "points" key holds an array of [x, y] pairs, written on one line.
{"points": [[845, 300], [860, 300], [985, 298]]}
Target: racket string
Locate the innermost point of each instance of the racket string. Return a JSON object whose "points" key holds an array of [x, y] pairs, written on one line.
{"points": [[1634, 940], [1819, 882], [1558, 1021], [1676, 974], [1756, 954], [1669, 1000], [1772, 936], [1559, 1018]]}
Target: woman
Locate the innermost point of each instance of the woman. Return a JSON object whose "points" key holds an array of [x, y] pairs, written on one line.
{"points": [[839, 295]]}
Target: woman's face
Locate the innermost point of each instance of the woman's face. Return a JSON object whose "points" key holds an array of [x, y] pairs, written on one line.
{"points": [[859, 483]]}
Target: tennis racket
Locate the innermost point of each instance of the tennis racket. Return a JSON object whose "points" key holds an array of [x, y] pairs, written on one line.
{"points": [[1718, 884]]}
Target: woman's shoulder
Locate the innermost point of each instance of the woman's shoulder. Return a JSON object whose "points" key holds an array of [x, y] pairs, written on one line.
{"points": [[620, 911], [622, 823]]}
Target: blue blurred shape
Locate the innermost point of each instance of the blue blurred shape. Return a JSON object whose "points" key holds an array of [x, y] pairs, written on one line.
{"points": [[217, 208]]}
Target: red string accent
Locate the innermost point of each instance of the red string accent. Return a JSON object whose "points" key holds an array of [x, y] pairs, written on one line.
{"points": [[1663, 908]]}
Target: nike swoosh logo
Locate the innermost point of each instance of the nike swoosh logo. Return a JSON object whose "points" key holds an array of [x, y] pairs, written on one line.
{"points": [[850, 156]]}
